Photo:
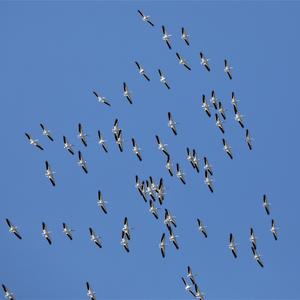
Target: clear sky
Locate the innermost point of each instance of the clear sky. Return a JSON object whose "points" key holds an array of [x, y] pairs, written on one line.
{"points": [[54, 54]]}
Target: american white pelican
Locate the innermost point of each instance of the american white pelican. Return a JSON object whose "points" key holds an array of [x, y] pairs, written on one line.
{"points": [[145, 18], [124, 241], [169, 219], [169, 166], [172, 123], [202, 227], [186, 285], [153, 209], [249, 139], [214, 100], [46, 233], [208, 181], [195, 160], [82, 163], [257, 257], [161, 146], [150, 191], [126, 93], [274, 230], [46, 132], [190, 275], [207, 166], [68, 146], [185, 36], [161, 191], [227, 148], [221, 110], [232, 245], [119, 140], [49, 173], [180, 174], [101, 203], [7, 294], [126, 228], [101, 141], [142, 70], [140, 187], [95, 238], [182, 61], [204, 61], [116, 128], [205, 105], [101, 99], [219, 123], [166, 37], [227, 69], [162, 245], [90, 293], [190, 156], [266, 204], [163, 79], [81, 135], [136, 150], [234, 101], [199, 295], [13, 229], [238, 117], [172, 237], [252, 238], [67, 231], [33, 142]]}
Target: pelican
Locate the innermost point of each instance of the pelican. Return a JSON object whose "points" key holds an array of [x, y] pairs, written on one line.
{"points": [[195, 160], [127, 93], [232, 245], [186, 285], [172, 123], [252, 238], [227, 69], [198, 294], [249, 139], [185, 36], [219, 123], [136, 150], [102, 141], [161, 146], [7, 294], [202, 227], [153, 209], [116, 128], [150, 191], [238, 117], [169, 219], [68, 146], [33, 142], [207, 166], [49, 173], [205, 106], [46, 132], [119, 140], [190, 157], [274, 230], [46, 233], [204, 61], [82, 162], [161, 192], [227, 148], [166, 37], [67, 231], [221, 110], [163, 79], [13, 229], [141, 70], [140, 187], [172, 238], [124, 241], [208, 181], [90, 293], [101, 99], [126, 228], [182, 61], [169, 166], [82, 135], [214, 100], [266, 204], [95, 238], [180, 174], [190, 275], [101, 203], [152, 184], [145, 18], [162, 245], [234, 101], [257, 257]]}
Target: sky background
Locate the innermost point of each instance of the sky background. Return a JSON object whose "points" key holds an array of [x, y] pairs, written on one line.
{"points": [[54, 54]]}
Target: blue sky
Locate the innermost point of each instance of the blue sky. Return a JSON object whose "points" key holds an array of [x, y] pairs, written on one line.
{"points": [[54, 54]]}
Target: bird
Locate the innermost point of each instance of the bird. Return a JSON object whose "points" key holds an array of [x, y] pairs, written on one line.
{"points": [[274, 230], [169, 219], [182, 61], [202, 227], [249, 139], [140, 187], [209, 182], [169, 166], [161, 191], [101, 99], [116, 128], [145, 18], [221, 110], [150, 191], [101, 203], [172, 237], [190, 157], [198, 294], [82, 163], [95, 238], [190, 275], [161, 146], [234, 101], [126, 228], [227, 69], [252, 238], [90, 293], [46, 233], [67, 145], [101, 141], [126, 93], [172, 123], [67, 231], [180, 174], [257, 257], [124, 241], [195, 160], [141, 70], [266, 204], [81, 135], [204, 61], [7, 294], [119, 140], [46, 132], [162, 245], [163, 79], [207, 166], [13, 229], [214, 100], [166, 37], [49, 173], [186, 285], [219, 123], [33, 142], [185, 36], [238, 117], [153, 209], [205, 106], [227, 148], [232, 245], [136, 150]]}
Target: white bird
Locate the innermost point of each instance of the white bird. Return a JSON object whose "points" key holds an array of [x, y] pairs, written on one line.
{"points": [[101, 99], [82, 163], [90, 293], [46, 233], [208, 181], [126, 228], [169, 166], [81, 135], [266, 204], [95, 238], [124, 241], [180, 174], [136, 150], [186, 285], [68, 146], [274, 230], [101, 141], [238, 117], [13, 229], [214, 99], [227, 148], [140, 187], [232, 245], [49, 173], [204, 61], [221, 110], [169, 219], [182, 61], [161, 146], [7, 294], [172, 123], [153, 209], [119, 140], [101, 203], [252, 238], [198, 294], [67, 231], [202, 227], [190, 156], [161, 191], [172, 237], [145, 18], [234, 101], [142, 70], [33, 142], [205, 105], [116, 128], [190, 275], [219, 123], [166, 37], [207, 166], [185, 36], [249, 139], [46, 132], [227, 69], [163, 79], [195, 160], [162, 245], [126, 93], [257, 257]]}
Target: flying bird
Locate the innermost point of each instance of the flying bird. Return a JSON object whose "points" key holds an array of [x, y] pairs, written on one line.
{"points": [[101, 99], [119, 140], [141, 70], [257, 257], [166, 37], [136, 150], [163, 79], [180, 174], [182, 61], [232, 245], [199, 294], [33, 142], [68, 146], [221, 110], [227, 148], [7, 294], [202, 227], [266, 204], [126, 93], [274, 230], [190, 275], [46, 233], [227, 69], [208, 181], [238, 117], [234, 101], [169, 166], [172, 237], [249, 139], [207, 166], [46, 132], [204, 61], [161, 146], [124, 241], [161, 191], [169, 219], [214, 100], [95, 238], [219, 123], [252, 238], [90, 293], [162, 245], [205, 105], [140, 187], [13, 229], [185, 36], [67, 231], [82, 163], [116, 128], [195, 160], [126, 228], [49, 173], [101, 141], [172, 123], [190, 157], [82, 135], [145, 18], [101, 203], [153, 209]]}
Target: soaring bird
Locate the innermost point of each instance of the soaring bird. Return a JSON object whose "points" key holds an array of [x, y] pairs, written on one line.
{"points": [[205, 105], [161, 146], [81, 135], [95, 238], [124, 241], [266, 204], [182, 61], [7, 294], [219, 123], [101, 99], [249, 139], [101, 203], [101, 141], [13, 229], [202, 227], [163, 79], [126, 93], [238, 117], [90, 293], [136, 150], [169, 166], [162, 245], [67, 145], [227, 148], [166, 37], [67, 231], [82, 163], [142, 70], [145, 18], [46, 233], [214, 99], [49, 173], [33, 142], [257, 257], [232, 245], [204, 61], [172, 123], [46, 132], [227, 69], [180, 174], [185, 36], [274, 230]]}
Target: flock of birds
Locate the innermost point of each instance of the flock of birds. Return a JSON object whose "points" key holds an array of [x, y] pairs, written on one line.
{"points": [[149, 190]]}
